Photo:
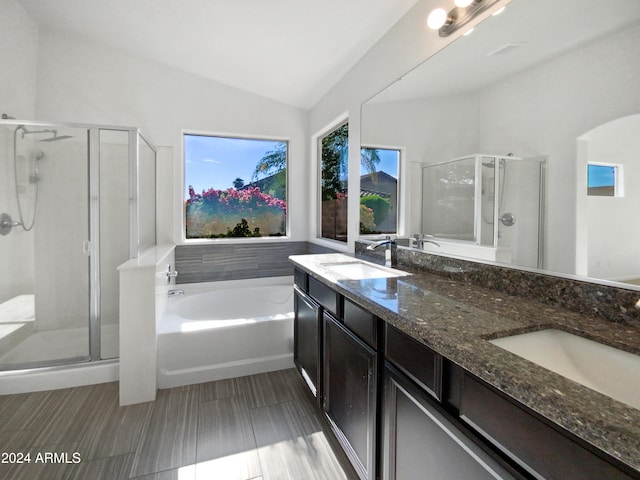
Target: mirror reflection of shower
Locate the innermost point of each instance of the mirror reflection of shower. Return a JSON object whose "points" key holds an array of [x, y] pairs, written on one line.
{"points": [[29, 168], [486, 206]]}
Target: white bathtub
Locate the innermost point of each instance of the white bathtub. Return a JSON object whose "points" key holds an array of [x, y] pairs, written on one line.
{"points": [[222, 330]]}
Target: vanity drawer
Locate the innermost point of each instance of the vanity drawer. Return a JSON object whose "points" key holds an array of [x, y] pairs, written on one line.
{"points": [[419, 362], [528, 439], [323, 295], [300, 280], [360, 322]]}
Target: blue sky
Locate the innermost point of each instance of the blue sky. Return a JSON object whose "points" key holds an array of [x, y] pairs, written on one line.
{"points": [[215, 162], [601, 175], [388, 162]]}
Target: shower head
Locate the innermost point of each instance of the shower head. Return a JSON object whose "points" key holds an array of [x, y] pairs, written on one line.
{"points": [[56, 137], [53, 138]]}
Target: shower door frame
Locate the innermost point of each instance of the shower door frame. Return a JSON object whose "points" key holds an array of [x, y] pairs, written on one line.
{"points": [[91, 246]]}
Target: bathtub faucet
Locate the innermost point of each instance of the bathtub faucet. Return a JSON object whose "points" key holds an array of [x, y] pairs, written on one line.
{"points": [[390, 252], [175, 293]]}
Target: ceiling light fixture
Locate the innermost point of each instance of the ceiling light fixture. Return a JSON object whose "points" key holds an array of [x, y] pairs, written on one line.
{"points": [[437, 18], [464, 11]]}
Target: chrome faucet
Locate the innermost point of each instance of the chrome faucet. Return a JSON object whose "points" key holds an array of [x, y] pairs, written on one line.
{"points": [[390, 252], [425, 238]]}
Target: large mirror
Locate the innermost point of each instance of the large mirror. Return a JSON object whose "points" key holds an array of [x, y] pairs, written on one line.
{"points": [[522, 139]]}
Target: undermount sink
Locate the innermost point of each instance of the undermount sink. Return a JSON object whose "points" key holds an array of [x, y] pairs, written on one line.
{"points": [[608, 370], [355, 270]]}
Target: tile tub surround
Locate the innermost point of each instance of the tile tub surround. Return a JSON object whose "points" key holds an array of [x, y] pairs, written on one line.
{"points": [[237, 261], [456, 319], [610, 303]]}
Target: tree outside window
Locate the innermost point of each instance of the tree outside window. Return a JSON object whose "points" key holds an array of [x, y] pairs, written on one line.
{"points": [[234, 187]]}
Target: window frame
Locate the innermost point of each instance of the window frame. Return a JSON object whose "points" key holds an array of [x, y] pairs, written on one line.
{"points": [[618, 186], [183, 240]]}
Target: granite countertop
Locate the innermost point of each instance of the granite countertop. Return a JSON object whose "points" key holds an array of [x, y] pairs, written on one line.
{"points": [[457, 319]]}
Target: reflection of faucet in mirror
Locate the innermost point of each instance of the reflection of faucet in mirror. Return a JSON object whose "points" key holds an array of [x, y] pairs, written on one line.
{"points": [[390, 252], [421, 240]]}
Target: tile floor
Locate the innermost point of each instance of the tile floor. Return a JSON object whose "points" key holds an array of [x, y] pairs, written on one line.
{"points": [[258, 427]]}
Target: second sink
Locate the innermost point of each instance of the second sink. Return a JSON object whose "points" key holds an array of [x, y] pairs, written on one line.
{"points": [[607, 370]]}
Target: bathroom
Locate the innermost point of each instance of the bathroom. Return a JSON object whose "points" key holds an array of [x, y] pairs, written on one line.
{"points": [[62, 76]]}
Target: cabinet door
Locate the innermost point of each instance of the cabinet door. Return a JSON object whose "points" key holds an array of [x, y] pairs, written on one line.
{"points": [[420, 440], [350, 390], [306, 340]]}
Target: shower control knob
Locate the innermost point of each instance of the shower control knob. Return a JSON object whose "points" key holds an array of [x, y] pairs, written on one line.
{"points": [[6, 224], [508, 219]]}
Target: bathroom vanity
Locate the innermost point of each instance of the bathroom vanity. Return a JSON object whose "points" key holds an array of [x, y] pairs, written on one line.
{"points": [[404, 370]]}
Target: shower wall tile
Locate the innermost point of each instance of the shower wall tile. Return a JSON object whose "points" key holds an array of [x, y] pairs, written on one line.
{"points": [[210, 263]]}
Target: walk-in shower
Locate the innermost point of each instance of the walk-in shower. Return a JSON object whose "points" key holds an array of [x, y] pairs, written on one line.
{"points": [[491, 202], [76, 201]]}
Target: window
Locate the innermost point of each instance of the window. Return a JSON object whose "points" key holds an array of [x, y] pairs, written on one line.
{"points": [[334, 183], [603, 180], [379, 190], [234, 187]]}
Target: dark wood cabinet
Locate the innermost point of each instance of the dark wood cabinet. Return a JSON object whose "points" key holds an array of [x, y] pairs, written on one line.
{"points": [[307, 337], [426, 417], [421, 440], [350, 394], [537, 446], [417, 361]]}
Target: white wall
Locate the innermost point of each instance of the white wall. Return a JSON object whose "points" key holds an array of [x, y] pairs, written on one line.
{"points": [[408, 43], [543, 111], [430, 130], [540, 112], [18, 54], [83, 82], [611, 222]]}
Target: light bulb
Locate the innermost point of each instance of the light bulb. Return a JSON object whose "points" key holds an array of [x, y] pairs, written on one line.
{"points": [[437, 18], [463, 3]]}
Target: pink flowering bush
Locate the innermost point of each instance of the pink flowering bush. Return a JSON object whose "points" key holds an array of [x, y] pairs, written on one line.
{"points": [[217, 213]]}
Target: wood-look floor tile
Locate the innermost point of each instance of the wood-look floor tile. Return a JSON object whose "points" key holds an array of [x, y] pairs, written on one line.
{"points": [[292, 445], [221, 389], [32, 410], [109, 468], [168, 439], [40, 467], [170, 391], [187, 472], [54, 416], [269, 388], [9, 405], [117, 431], [226, 442], [99, 401]]}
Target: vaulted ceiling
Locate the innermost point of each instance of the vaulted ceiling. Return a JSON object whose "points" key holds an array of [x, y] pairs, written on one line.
{"points": [[291, 51]]}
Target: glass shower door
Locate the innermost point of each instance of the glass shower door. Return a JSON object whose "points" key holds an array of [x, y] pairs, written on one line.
{"points": [[45, 279]]}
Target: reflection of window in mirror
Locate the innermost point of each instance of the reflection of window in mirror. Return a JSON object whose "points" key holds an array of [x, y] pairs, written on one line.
{"points": [[604, 180], [379, 168], [334, 183]]}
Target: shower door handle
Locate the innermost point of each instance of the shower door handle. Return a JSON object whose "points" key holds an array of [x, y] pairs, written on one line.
{"points": [[86, 247]]}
